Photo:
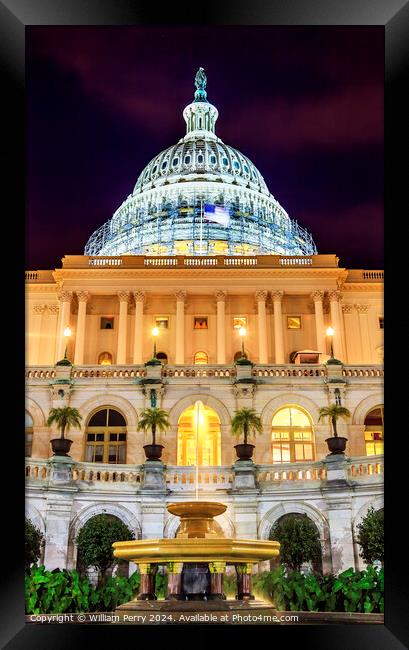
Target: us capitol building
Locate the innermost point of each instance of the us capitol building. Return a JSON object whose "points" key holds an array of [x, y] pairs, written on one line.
{"points": [[201, 266]]}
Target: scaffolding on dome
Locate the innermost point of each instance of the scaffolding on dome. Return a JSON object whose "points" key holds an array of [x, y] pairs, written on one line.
{"points": [[178, 228]]}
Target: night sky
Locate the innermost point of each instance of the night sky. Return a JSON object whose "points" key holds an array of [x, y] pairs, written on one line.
{"points": [[305, 104]]}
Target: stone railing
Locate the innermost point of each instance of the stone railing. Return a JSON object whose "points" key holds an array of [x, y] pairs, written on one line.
{"points": [[37, 469], [199, 371], [44, 277], [276, 473], [360, 275], [103, 473], [108, 372], [40, 372], [363, 371], [179, 479], [210, 479], [363, 466], [290, 370]]}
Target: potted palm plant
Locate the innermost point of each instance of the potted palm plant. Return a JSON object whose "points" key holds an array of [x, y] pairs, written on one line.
{"points": [[65, 418], [153, 419], [245, 422], [336, 444]]}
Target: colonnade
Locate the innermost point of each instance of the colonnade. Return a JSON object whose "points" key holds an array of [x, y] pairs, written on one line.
{"points": [[261, 297]]}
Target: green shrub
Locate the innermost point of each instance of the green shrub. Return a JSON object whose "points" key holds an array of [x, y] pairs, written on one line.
{"points": [[61, 591], [299, 540], [371, 536], [95, 541], [350, 591], [33, 543]]}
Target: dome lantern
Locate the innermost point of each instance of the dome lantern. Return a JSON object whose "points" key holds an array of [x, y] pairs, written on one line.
{"points": [[200, 116]]}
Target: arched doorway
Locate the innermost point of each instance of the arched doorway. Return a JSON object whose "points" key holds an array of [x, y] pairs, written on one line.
{"points": [[292, 435], [199, 437], [292, 540]]}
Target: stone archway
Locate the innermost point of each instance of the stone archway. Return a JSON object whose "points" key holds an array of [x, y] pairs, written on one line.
{"points": [[284, 400], [316, 516], [106, 399], [364, 406], [208, 400], [377, 503], [84, 515], [36, 412]]}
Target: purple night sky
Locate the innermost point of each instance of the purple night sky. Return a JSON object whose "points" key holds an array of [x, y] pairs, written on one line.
{"points": [[305, 104]]}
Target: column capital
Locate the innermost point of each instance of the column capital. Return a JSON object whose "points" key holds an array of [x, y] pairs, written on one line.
{"points": [[334, 295], [180, 295], [139, 296], [261, 295], [347, 309], [39, 309], [277, 296], [53, 309], [123, 296], [65, 296], [317, 295], [220, 295], [83, 296], [361, 309]]}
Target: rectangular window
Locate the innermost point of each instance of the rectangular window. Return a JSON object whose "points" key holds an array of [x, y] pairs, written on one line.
{"points": [[380, 318], [200, 323], [106, 323], [162, 322], [239, 321], [293, 322]]}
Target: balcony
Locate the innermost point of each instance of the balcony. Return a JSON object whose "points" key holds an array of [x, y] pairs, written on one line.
{"points": [[91, 477], [285, 373]]}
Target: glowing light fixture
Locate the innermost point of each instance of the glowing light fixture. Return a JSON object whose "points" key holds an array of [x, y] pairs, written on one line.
{"points": [[330, 333]]}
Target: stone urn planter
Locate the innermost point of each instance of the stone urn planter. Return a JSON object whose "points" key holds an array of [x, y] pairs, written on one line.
{"points": [[244, 452], [336, 444], [153, 452], [61, 446]]}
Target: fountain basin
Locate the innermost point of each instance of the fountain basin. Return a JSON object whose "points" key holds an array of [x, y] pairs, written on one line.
{"points": [[231, 551], [196, 518]]}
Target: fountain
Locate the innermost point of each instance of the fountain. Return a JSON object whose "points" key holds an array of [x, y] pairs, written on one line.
{"points": [[196, 560]]}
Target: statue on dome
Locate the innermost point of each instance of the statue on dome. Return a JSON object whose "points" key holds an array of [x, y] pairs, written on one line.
{"points": [[200, 79], [200, 83]]}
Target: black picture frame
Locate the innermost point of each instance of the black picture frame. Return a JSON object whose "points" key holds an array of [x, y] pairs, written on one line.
{"points": [[15, 15]]}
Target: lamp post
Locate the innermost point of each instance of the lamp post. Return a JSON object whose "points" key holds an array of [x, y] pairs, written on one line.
{"points": [[155, 333], [67, 334], [242, 333], [330, 333]]}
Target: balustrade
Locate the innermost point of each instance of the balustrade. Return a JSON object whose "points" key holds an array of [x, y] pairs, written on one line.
{"points": [[364, 466], [209, 478]]}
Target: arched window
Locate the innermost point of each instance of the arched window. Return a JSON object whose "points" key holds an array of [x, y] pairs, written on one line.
{"points": [[29, 433], [292, 436], [374, 431], [106, 437], [200, 359], [162, 356], [105, 359], [201, 424]]}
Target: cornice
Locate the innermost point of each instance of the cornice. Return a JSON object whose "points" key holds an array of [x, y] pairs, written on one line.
{"points": [[192, 272]]}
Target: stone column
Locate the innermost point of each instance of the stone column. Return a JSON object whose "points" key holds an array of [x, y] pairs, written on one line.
{"points": [[277, 297], [334, 297], [147, 586], [317, 297], [174, 580], [65, 298], [221, 329], [180, 328], [34, 357], [244, 581], [122, 327], [364, 333], [216, 580], [58, 512], [138, 333], [337, 493], [262, 326], [83, 297]]}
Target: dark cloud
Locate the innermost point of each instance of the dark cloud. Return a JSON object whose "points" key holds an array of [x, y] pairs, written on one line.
{"points": [[305, 104]]}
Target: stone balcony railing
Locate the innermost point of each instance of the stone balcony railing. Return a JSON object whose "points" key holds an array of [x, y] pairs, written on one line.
{"points": [[223, 372], [210, 479]]}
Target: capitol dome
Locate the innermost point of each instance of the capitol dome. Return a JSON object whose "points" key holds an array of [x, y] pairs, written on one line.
{"points": [[200, 197]]}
